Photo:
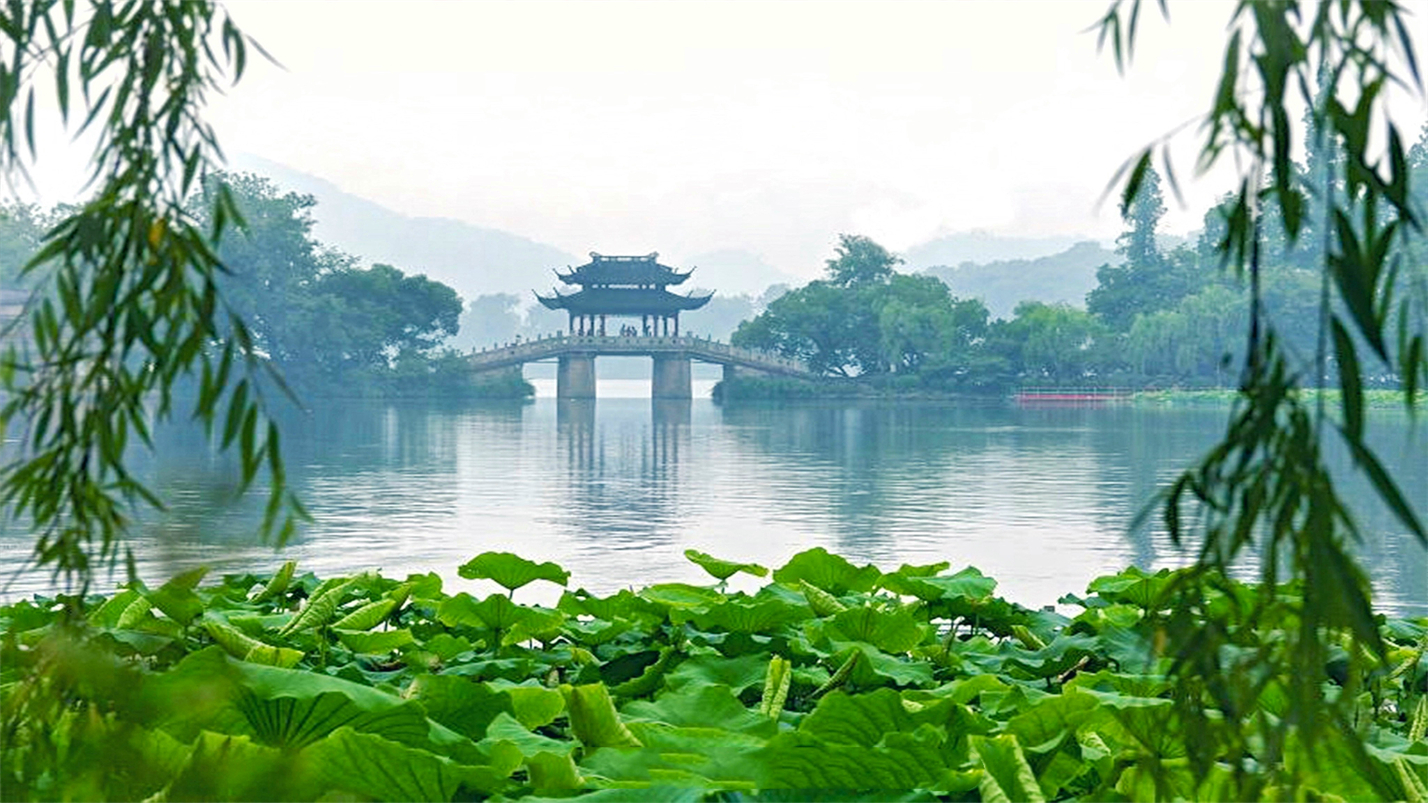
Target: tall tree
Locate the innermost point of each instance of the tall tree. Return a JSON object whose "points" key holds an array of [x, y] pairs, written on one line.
{"points": [[1143, 213], [860, 261]]}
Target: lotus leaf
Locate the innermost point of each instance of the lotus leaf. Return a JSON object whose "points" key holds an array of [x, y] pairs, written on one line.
{"points": [[699, 706], [863, 719], [1046, 724], [465, 706], [1009, 778], [714, 758], [593, 718], [712, 669], [106, 615], [1133, 586], [897, 762], [681, 595], [894, 631], [511, 571], [789, 693], [278, 583], [496, 612], [366, 617], [380, 769], [749, 616], [724, 569], [176, 598], [504, 730], [378, 643], [554, 772], [968, 584], [826, 571], [877, 668], [224, 767]]}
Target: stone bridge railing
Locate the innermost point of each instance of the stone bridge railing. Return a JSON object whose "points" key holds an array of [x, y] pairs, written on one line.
{"points": [[695, 348]]}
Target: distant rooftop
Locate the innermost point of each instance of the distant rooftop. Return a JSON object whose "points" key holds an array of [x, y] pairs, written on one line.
{"points": [[623, 271]]}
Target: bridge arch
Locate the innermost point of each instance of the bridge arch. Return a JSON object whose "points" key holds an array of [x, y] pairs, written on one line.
{"points": [[575, 356]]}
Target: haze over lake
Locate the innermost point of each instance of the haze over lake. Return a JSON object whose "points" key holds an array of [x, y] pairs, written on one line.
{"points": [[617, 489]]}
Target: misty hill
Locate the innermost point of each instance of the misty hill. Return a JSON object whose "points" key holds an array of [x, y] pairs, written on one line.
{"points": [[471, 259], [983, 247], [1066, 276], [732, 271]]}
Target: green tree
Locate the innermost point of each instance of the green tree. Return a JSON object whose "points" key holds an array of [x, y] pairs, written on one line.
{"points": [[1057, 341], [865, 320], [22, 230], [489, 319], [816, 323], [921, 325], [377, 313], [860, 261], [273, 262], [311, 311], [1147, 280], [1137, 244]]}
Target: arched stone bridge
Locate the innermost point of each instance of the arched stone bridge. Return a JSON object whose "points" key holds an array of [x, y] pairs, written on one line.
{"points": [[575, 354]]}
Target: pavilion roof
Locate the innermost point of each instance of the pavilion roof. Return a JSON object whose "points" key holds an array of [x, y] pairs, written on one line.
{"points": [[623, 270], [623, 301]]}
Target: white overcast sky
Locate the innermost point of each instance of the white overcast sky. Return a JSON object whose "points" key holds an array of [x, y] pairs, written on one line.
{"points": [[685, 127]]}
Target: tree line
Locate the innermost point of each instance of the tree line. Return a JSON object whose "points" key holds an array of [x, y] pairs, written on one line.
{"points": [[1158, 318], [327, 325]]}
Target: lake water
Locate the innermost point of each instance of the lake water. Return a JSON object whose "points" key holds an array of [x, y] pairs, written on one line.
{"points": [[615, 491]]}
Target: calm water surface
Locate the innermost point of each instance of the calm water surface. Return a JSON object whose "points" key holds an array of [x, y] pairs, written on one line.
{"points": [[617, 489]]}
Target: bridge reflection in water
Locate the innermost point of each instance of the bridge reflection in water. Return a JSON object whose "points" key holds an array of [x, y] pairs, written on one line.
{"points": [[622, 487], [575, 356], [669, 418]]}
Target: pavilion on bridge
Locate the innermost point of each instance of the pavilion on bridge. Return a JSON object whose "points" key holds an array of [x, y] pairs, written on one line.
{"points": [[624, 286]]}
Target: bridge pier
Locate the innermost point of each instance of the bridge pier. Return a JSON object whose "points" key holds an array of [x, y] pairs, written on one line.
{"points": [[731, 371], [575, 376], [670, 379]]}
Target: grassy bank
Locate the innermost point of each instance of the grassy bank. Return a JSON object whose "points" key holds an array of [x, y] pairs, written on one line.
{"points": [[750, 388], [832, 681], [775, 388], [1377, 398]]}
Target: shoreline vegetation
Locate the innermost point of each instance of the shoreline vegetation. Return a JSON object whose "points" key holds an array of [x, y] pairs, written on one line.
{"points": [[830, 681], [775, 389]]}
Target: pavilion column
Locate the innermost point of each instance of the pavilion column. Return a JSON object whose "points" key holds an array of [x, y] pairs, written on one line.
{"points": [[602, 325], [676, 326]]}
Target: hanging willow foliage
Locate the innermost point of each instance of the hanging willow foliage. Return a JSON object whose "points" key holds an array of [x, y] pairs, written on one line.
{"points": [[1265, 487], [129, 303]]}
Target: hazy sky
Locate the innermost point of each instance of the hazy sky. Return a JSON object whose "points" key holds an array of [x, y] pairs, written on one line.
{"points": [[685, 127]]}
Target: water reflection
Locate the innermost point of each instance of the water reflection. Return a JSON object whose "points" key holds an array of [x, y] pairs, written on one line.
{"points": [[623, 476], [616, 489]]}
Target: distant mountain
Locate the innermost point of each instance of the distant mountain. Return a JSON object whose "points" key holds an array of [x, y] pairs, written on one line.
{"points": [[1066, 276], [469, 258], [732, 271], [982, 247]]}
